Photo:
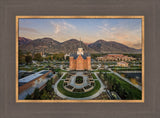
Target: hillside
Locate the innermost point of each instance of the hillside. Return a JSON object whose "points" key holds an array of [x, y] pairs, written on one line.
{"points": [[50, 45]]}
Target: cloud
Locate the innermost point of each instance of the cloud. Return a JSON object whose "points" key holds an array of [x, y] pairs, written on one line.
{"points": [[32, 30], [60, 27], [120, 33], [136, 44]]}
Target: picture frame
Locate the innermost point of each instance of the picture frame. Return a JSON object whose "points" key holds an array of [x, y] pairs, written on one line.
{"points": [[9, 108], [81, 17]]}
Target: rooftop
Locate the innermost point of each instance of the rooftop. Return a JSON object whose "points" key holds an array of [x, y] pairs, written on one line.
{"points": [[115, 55], [33, 76], [85, 55], [122, 62]]}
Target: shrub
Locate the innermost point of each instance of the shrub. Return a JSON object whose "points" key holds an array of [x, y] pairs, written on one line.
{"points": [[79, 80]]}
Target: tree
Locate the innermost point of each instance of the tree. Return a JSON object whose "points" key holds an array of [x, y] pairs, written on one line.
{"points": [[100, 74], [105, 76], [36, 94], [59, 56], [44, 96], [125, 93], [67, 58], [28, 97], [49, 86], [51, 58], [21, 59], [52, 80], [59, 74], [28, 59], [38, 57], [47, 58]]}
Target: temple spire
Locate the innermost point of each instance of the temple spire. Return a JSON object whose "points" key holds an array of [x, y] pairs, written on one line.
{"points": [[80, 43]]}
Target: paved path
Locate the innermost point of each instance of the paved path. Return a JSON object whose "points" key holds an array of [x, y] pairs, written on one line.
{"points": [[125, 79], [85, 98], [99, 66], [73, 79]]}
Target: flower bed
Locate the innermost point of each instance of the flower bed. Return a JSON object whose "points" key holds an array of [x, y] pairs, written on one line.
{"points": [[79, 80]]}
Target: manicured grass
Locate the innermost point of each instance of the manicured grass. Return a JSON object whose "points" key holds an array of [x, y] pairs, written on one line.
{"points": [[39, 69], [133, 93], [78, 95], [93, 75], [59, 70], [102, 71], [126, 68], [64, 77], [31, 68], [27, 68]]}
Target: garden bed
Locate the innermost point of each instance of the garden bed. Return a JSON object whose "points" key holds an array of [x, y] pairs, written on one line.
{"points": [[79, 80], [78, 95]]}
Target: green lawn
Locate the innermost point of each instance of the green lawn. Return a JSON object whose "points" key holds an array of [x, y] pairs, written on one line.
{"points": [[31, 67], [93, 75], [59, 70], [132, 92], [127, 69], [101, 71], [28, 68], [39, 69], [78, 95], [64, 77]]}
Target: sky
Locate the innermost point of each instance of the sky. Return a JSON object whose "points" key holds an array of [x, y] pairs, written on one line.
{"points": [[125, 31]]}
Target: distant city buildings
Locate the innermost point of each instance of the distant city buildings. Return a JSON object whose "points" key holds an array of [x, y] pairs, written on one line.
{"points": [[122, 64], [115, 57], [66, 55]]}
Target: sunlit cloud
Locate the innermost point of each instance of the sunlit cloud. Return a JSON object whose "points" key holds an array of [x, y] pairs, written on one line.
{"points": [[125, 31], [59, 27], [121, 34]]}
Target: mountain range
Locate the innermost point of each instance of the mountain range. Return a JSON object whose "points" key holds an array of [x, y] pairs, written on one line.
{"points": [[50, 45]]}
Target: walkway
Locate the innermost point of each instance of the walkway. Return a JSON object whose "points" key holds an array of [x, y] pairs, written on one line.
{"points": [[85, 98], [73, 79]]}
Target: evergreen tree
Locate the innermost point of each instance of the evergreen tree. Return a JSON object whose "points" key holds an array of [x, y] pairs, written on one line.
{"points": [[36, 94], [28, 97], [38, 57], [28, 59], [49, 86], [44, 96]]}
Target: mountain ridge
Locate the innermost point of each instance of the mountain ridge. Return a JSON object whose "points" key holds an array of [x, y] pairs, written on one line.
{"points": [[50, 45]]}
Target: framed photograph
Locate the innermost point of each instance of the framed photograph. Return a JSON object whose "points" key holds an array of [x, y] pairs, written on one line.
{"points": [[80, 59]]}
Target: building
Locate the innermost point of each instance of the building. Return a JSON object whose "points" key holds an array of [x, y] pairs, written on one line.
{"points": [[28, 84], [122, 64], [115, 57], [80, 60], [66, 55]]}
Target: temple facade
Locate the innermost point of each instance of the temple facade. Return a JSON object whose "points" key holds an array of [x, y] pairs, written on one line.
{"points": [[80, 60]]}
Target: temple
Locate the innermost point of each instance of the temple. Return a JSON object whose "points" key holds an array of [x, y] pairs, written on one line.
{"points": [[80, 60]]}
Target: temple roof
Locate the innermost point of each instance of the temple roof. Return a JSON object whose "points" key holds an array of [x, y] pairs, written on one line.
{"points": [[84, 56]]}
